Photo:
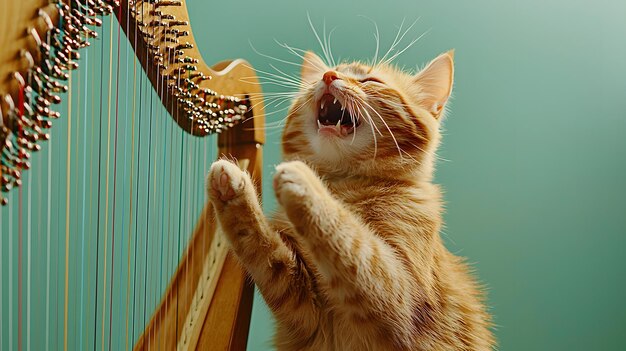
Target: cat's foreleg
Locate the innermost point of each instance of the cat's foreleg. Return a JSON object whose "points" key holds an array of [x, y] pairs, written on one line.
{"points": [[361, 271], [271, 264]]}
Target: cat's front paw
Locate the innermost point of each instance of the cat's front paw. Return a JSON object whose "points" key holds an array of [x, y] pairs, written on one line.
{"points": [[226, 181], [295, 184]]}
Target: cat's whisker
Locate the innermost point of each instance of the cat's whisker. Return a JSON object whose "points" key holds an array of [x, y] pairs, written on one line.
{"points": [[390, 59], [278, 102], [268, 113], [295, 51], [329, 47], [375, 126], [386, 126], [285, 78], [411, 156], [417, 147], [265, 128], [394, 43], [377, 37], [327, 44], [328, 61], [269, 82], [291, 77], [268, 96], [270, 93], [397, 40], [272, 57], [360, 111], [269, 125], [279, 123], [278, 77], [276, 111], [269, 101], [306, 102], [372, 126], [275, 80], [350, 107]]}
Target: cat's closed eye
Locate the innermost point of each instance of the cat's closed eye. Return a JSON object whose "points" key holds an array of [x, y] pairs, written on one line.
{"points": [[371, 79]]}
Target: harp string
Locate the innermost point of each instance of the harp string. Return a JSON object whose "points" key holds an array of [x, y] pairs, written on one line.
{"points": [[1, 285], [106, 186], [162, 207], [130, 198], [77, 79], [95, 275], [19, 238], [158, 230], [125, 177], [146, 295], [28, 254], [48, 244], [19, 270], [11, 273], [137, 241], [117, 89], [83, 204], [91, 148], [140, 226], [67, 207]]}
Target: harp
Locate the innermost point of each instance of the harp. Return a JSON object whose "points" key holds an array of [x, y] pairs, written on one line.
{"points": [[108, 242]]}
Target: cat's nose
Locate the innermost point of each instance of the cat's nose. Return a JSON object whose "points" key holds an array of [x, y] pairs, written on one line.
{"points": [[329, 77]]}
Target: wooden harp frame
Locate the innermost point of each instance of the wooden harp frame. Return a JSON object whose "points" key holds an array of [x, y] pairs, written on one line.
{"points": [[215, 313]]}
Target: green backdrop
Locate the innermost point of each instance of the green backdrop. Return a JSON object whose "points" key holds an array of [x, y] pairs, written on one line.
{"points": [[534, 164], [532, 160]]}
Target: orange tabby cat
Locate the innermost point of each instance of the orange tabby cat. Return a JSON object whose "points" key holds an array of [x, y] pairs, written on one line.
{"points": [[355, 261]]}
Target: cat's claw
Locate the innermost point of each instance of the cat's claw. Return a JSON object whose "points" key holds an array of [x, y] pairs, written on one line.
{"points": [[226, 180]]}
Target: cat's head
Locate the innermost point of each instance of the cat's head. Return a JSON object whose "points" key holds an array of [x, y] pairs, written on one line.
{"points": [[372, 120]]}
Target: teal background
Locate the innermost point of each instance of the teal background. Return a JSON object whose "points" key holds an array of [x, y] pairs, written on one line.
{"points": [[532, 159], [534, 164]]}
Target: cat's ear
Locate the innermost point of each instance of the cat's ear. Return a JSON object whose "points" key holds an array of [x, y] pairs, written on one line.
{"points": [[436, 82], [313, 68]]}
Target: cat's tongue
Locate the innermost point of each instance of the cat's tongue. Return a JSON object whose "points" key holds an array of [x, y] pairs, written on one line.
{"points": [[332, 117]]}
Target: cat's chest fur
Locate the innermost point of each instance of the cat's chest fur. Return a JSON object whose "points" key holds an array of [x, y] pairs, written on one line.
{"points": [[401, 214]]}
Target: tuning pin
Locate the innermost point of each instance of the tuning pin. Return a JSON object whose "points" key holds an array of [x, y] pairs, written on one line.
{"points": [[177, 23], [42, 102], [46, 112], [16, 174], [55, 99], [157, 23], [96, 22], [56, 87], [47, 125], [57, 73], [184, 46], [90, 34], [23, 154], [168, 3], [27, 109]]}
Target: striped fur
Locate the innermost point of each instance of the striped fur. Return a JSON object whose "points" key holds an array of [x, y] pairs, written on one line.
{"points": [[354, 260]]}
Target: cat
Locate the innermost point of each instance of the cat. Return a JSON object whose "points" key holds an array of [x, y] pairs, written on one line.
{"points": [[354, 260]]}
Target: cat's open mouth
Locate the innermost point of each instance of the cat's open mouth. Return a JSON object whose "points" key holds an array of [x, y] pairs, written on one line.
{"points": [[334, 118]]}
